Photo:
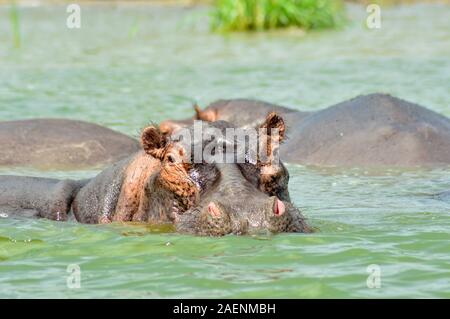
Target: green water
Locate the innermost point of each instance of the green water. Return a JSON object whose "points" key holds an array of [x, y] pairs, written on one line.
{"points": [[130, 65]]}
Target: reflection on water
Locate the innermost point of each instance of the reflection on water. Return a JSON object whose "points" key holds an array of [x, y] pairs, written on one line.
{"points": [[107, 74]]}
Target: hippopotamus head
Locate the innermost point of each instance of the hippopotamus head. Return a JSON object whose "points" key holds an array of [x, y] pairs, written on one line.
{"points": [[208, 195]]}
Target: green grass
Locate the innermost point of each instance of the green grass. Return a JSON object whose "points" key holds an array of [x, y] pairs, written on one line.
{"points": [[254, 15], [15, 24]]}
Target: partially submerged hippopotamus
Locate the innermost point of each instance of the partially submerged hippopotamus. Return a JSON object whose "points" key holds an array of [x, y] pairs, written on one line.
{"points": [[161, 184], [375, 130], [61, 144]]}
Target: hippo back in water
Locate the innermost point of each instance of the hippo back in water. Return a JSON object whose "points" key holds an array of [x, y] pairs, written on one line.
{"points": [[240, 112], [375, 130], [61, 144], [37, 197]]}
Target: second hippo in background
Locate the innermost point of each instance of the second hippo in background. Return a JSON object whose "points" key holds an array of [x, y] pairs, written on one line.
{"points": [[61, 144], [375, 130], [240, 112]]}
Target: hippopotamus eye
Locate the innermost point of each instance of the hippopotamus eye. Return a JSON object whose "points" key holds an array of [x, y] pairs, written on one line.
{"points": [[171, 159]]}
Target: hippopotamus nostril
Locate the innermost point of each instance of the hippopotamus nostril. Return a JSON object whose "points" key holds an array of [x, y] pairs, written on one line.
{"points": [[213, 210], [278, 207]]}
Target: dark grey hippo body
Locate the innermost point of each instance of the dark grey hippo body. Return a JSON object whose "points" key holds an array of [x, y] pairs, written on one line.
{"points": [[375, 130], [371, 130], [245, 112], [61, 144], [159, 184], [99, 197], [240, 112], [37, 197]]}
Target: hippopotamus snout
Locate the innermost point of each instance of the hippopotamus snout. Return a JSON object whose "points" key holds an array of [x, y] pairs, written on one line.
{"points": [[218, 218], [248, 218], [235, 206]]}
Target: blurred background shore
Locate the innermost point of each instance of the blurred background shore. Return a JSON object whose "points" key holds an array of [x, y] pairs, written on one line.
{"points": [[243, 15]]}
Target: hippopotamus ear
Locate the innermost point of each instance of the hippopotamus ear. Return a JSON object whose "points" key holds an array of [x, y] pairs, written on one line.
{"points": [[274, 121], [205, 115], [153, 141]]}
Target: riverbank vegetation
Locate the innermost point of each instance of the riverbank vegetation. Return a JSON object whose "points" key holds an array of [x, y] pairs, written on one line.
{"points": [[254, 15]]}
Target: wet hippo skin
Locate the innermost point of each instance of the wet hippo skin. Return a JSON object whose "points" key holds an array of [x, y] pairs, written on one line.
{"points": [[240, 112], [61, 144], [37, 197], [372, 130]]}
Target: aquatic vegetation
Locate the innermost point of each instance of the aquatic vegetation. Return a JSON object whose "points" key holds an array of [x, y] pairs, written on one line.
{"points": [[15, 24], [243, 15]]}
